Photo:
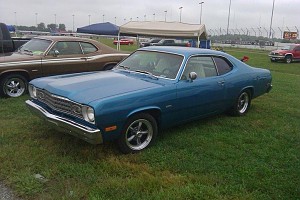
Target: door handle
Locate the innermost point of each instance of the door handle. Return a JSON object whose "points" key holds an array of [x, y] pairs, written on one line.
{"points": [[83, 58], [221, 82]]}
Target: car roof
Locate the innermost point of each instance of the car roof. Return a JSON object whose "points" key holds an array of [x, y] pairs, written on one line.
{"points": [[186, 51], [65, 38]]}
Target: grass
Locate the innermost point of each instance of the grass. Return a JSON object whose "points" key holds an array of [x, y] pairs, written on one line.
{"points": [[222, 157]]}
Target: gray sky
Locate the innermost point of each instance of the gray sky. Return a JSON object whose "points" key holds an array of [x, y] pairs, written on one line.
{"points": [[244, 13]]}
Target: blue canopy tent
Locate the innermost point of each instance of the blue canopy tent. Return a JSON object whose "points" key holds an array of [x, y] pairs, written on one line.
{"points": [[100, 29], [11, 28]]}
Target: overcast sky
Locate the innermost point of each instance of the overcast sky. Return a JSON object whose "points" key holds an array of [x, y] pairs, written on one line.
{"points": [[244, 13]]}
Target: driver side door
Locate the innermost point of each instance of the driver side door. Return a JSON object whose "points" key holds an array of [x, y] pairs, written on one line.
{"points": [[63, 58]]}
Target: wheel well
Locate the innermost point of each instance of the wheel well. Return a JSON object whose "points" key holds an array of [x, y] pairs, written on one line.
{"points": [[155, 113], [24, 74], [109, 64], [251, 91]]}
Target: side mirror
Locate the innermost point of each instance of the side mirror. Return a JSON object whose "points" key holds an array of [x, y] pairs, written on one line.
{"points": [[192, 75], [56, 53]]}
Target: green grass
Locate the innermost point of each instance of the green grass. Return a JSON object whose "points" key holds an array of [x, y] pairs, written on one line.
{"points": [[222, 157]]}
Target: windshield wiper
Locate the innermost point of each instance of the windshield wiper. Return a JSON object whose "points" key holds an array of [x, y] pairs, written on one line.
{"points": [[124, 67], [146, 72]]}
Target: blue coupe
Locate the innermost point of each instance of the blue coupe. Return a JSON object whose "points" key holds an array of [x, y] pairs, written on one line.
{"points": [[152, 89]]}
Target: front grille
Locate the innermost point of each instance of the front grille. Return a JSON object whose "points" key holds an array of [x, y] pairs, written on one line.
{"points": [[274, 53], [59, 103]]}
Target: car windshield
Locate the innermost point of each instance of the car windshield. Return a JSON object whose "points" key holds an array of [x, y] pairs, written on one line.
{"points": [[289, 47], [35, 46], [156, 64]]}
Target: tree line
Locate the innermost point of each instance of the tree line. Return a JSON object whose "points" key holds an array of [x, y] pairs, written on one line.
{"points": [[42, 27]]}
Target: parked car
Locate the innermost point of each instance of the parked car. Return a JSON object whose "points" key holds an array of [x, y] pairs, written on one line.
{"points": [[53, 55], [146, 44], [171, 42], [287, 54], [8, 44], [151, 90], [123, 42]]}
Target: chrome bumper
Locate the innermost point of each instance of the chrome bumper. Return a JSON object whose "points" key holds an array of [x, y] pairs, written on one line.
{"points": [[83, 132], [276, 57]]}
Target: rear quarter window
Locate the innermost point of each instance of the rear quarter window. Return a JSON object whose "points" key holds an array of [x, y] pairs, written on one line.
{"points": [[88, 48], [222, 65]]}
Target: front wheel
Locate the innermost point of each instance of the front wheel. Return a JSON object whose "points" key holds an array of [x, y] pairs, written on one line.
{"points": [[242, 104], [13, 85], [288, 59], [138, 133]]}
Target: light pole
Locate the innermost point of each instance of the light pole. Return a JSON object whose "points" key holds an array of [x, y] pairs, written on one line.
{"points": [[115, 20], [153, 16], [36, 14], [55, 20], [16, 23], [201, 10], [180, 8], [271, 19], [228, 16], [137, 18], [73, 22], [144, 17], [103, 17], [165, 15], [89, 19]]}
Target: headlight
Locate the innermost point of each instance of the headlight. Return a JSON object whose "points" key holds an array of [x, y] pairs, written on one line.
{"points": [[88, 114], [32, 91]]}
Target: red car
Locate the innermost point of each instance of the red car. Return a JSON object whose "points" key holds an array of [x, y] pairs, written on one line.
{"points": [[288, 54], [124, 42]]}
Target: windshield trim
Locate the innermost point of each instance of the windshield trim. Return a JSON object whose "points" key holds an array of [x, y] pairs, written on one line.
{"points": [[158, 51]]}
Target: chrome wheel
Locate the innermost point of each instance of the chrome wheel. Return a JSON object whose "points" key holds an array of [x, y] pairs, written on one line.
{"points": [[243, 102], [14, 87], [139, 134]]}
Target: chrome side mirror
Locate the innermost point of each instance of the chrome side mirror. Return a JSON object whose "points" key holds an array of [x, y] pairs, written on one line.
{"points": [[56, 53], [192, 75]]}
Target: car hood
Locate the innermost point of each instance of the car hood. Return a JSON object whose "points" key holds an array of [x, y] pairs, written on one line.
{"points": [[18, 57], [90, 86]]}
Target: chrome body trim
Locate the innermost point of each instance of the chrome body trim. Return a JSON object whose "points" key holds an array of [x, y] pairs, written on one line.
{"points": [[88, 134]]}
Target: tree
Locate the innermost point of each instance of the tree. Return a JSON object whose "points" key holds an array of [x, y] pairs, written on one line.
{"points": [[62, 27], [41, 27], [52, 27]]}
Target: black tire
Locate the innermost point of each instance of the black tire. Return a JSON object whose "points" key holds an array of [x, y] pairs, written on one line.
{"points": [[273, 60], [109, 67], [242, 104], [139, 132], [13, 85], [288, 59]]}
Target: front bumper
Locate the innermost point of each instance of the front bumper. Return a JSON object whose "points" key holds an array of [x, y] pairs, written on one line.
{"points": [[276, 57], [88, 134]]}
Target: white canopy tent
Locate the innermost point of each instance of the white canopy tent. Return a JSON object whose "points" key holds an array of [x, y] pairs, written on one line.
{"points": [[164, 29]]}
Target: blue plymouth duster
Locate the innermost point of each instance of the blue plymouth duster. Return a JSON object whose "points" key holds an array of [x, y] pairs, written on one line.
{"points": [[152, 89]]}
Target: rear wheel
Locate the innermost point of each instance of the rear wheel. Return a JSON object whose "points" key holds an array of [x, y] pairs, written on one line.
{"points": [[288, 59], [13, 85], [242, 104], [138, 133]]}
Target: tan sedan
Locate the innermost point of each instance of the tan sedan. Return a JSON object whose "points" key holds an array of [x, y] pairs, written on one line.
{"points": [[53, 55]]}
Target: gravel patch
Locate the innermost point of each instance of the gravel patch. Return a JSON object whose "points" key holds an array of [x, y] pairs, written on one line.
{"points": [[6, 193]]}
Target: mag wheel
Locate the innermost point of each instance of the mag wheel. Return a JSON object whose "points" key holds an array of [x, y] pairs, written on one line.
{"points": [[242, 104], [13, 85], [138, 133]]}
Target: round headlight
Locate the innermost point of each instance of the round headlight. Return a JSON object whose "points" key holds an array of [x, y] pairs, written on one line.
{"points": [[90, 114]]}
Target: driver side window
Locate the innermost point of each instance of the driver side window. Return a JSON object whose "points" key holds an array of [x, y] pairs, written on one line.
{"points": [[66, 48], [203, 66]]}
